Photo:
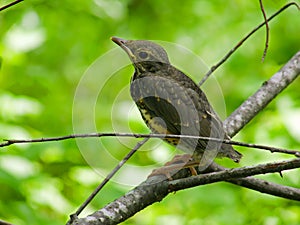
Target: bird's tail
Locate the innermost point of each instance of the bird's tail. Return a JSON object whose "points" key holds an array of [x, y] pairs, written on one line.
{"points": [[230, 152]]}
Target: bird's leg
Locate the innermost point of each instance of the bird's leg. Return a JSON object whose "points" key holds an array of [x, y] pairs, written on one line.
{"points": [[177, 163]]}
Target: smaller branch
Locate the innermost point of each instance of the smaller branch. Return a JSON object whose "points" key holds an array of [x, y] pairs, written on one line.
{"points": [[214, 67], [234, 173], [267, 30], [263, 186], [10, 4], [107, 178], [73, 136]]}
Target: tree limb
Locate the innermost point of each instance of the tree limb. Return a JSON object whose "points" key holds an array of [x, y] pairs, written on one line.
{"points": [[153, 190], [260, 99]]}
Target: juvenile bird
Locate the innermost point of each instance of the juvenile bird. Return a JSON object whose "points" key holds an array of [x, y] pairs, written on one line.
{"points": [[172, 103]]}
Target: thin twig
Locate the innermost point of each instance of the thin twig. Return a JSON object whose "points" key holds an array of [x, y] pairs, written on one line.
{"points": [[267, 30], [216, 66], [107, 178], [10, 4], [72, 136]]}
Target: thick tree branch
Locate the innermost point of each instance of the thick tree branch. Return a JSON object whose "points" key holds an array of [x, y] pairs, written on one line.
{"points": [[259, 100], [152, 190]]}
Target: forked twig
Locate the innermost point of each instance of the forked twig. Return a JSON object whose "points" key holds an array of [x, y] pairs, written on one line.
{"points": [[241, 172], [216, 66]]}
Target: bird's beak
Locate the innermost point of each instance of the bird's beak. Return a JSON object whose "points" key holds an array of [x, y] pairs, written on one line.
{"points": [[122, 43], [118, 41]]}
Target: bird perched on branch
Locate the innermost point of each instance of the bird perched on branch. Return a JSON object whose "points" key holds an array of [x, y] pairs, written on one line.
{"points": [[171, 103]]}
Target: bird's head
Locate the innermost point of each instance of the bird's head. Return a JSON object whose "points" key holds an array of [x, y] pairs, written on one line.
{"points": [[145, 55]]}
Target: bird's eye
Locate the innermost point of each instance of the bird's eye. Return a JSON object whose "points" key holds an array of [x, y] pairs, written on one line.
{"points": [[143, 55]]}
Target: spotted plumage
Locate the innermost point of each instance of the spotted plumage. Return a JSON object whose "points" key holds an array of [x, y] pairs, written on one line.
{"points": [[171, 103]]}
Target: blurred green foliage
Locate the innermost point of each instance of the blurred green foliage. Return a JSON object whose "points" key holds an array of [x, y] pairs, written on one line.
{"points": [[45, 49]]}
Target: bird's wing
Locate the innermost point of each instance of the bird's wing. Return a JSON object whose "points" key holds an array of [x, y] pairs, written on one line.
{"points": [[175, 104]]}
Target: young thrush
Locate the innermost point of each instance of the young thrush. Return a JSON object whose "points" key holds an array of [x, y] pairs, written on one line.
{"points": [[171, 103]]}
